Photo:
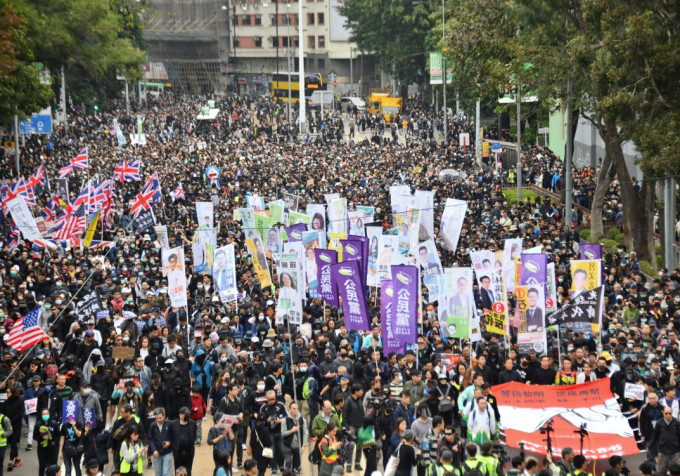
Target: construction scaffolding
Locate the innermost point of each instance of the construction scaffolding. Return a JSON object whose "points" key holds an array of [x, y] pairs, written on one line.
{"points": [[191, 39]]}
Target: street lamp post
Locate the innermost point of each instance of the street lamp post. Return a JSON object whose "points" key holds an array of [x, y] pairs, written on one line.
{"points": [[446, 125]]}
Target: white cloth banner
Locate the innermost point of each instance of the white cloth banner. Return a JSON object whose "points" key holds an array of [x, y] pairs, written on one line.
{"points": [[23, 218], [224, 273], [173, 269]]}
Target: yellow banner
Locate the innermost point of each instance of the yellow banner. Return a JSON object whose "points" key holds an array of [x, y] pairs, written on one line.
{"points": [[89, 234], [259, 261]]}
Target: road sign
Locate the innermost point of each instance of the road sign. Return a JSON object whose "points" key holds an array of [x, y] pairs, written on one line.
{"points": [[332, 76], [40, 123], [544, 130]]}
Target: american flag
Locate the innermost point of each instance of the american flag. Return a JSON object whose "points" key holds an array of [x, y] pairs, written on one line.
{"points": [[74, 224], [179, 192], [81, 201], [127, 171], [153, 184], [65, 170], [81, 161], [38, 178], [26, 332]]}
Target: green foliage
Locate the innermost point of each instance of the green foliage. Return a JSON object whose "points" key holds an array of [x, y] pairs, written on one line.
{"points": [[647, 268], [609, 245], [510, 195], [21, 92], [585, 235], [395, 30]]}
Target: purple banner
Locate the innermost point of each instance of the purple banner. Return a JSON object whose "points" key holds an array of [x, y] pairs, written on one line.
{"points": [[389, 343], [534, 269], [69, 411], [353, 249], [294, 232], [405, 302], [324, 260], [347, 278], [89, 417], [591, 251]]}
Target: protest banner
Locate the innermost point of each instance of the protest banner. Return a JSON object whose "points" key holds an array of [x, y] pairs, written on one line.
{"points": [[144, 221], [173, 268], [69, 410], [289, 303], [259, 261], [455, 313], [387, 306], [224, 273], [89, 304], [347, 278], [405, 302]]}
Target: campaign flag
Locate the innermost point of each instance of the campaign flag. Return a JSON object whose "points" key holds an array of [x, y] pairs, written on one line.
{"points": [[324, 260], [511, 252], [530, 314], [224, 273], [161, 232], [387, 255], [352, 249], [120, 137], [289, 303], [70, 410], [337, 216], [405, 302], [482, 263], [89, 304], [534, 269], [23, 218], [259, 261], [373, 234], [26, 332], [143, 221], [425, 203], [591, 251], [452, 223], [525, 410], [294, 232], [89, 417], [458, 306], [205, 215], [81, 161], [585, 308], [387, 306], [347, 278], [127, 171], [551, 291], [586, 275], [310, 241], [173, 268]]}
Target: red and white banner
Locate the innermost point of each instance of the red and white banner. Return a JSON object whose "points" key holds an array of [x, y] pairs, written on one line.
{"points": [[525, 409]]}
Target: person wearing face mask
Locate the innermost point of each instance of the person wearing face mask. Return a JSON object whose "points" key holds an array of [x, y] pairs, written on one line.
{"points": [[256, 399], [13, 409], [178, 397], [46, 436], [88, 399], [131, 396], [328, 370]]}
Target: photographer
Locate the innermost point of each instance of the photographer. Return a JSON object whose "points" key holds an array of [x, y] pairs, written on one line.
{"points": [[566, 466], [273, 412], [493, 465], [353, 419]]}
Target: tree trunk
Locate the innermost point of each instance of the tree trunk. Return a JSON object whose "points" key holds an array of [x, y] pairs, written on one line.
{"points": [[596, 224], [636, 207]]}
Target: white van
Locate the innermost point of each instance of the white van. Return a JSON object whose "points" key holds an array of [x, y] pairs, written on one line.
{"points": [[358, 102]]}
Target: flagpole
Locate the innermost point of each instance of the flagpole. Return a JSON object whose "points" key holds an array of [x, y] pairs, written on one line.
{"points": [[292, 370]]}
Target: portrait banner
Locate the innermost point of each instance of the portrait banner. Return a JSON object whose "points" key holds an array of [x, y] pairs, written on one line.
{"points": [[173, 268]]}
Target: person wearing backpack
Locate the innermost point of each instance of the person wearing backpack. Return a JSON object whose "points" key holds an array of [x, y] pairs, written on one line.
{"points": [[472, 466], [407, 454], [481, 424], [366, 440], [294, 433], [310, 392], [443, 467]]}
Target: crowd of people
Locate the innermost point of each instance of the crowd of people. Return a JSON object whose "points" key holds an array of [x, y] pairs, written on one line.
{"points": [[271, 397]]}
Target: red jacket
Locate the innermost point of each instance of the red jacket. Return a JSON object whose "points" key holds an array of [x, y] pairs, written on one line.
{"points": [[198, 407]]}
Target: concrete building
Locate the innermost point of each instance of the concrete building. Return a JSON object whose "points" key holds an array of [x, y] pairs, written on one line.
{"points": [[205, 46]]}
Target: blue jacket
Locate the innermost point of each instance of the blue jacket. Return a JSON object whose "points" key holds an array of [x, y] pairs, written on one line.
{"points": [[157, 437], [408, 414], [201, 369]]}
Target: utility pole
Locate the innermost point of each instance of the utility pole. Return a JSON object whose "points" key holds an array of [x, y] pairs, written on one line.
{"points": [[351, 70], [303, 105], [446, 121], [63, 98], [16, 144], [519, 142], [478, 125], [567, 160], [669, 223], [127, 97]]}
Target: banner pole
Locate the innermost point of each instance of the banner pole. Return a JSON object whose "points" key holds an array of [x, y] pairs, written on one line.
{"points": [[292, 370]]}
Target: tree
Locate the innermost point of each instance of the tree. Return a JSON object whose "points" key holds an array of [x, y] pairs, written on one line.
{"points": [[21, 92], [395, 30]]}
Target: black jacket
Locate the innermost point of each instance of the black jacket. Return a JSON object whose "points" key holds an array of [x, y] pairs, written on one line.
{"points": [[353, 413], [667, 436], [647, 416], [175, 437]]}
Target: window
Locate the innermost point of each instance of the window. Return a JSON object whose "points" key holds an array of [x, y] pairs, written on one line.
{"points": [[310, 18], [311, 42], [321, 63], [296, 41], [284, 41], [236, 42], [272, 19], [274, 41], [258, 19], [288, 20], [258, 41], [245, 20], [322, 42], [320, 18]]}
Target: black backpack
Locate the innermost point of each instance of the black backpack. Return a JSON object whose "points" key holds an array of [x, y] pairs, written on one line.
{"points": [[475, 471]]}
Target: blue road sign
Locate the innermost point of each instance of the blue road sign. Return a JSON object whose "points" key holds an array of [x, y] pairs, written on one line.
{"points": [[37, 124]]}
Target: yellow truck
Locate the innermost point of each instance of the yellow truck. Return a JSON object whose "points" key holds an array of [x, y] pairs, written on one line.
{"points": [[380, 102]]}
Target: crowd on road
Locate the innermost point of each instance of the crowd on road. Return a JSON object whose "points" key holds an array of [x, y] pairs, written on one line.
{"points": [[270, 396]]}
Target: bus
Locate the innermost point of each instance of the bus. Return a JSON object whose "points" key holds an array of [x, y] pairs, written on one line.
{"points": [[313, 82]]}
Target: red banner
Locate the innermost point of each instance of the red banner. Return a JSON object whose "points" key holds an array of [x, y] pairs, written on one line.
{"points": [[525, 409]]}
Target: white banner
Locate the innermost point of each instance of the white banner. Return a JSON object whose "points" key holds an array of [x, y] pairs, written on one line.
{"points": [[204, 215], [224, 273], [173, 269], [289, 304], [23, 218], [452, 223]]}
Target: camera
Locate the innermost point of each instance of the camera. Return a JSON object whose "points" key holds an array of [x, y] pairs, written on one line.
{"points": [[500, 453], [624, 470]]}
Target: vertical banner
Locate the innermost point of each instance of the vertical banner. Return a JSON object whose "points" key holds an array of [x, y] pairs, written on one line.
{"points": [[373, 233], [591, 251], [405, 302], [274, 243], [586, 275], [324, 260], [162, 235], [224, 273], [61, 189], [428, 258], [387, 255], [289, 305], [482, 263], [425, 203], [357, 227], [347, 278], [531, 335], [23, 218], [511, 252], [389, 341], [247, 216], [173, 269], [310, 242], [534, 269], [550, 291], [497, 315], [205, 243], [259, 261], [276, 212], [455, 312], [318, 214], [353, 249], [337, 216], [452, 223], [205, 215], [261, 220]]}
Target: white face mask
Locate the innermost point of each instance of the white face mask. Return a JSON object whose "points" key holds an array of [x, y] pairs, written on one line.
{"points": [[260, 387]]}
